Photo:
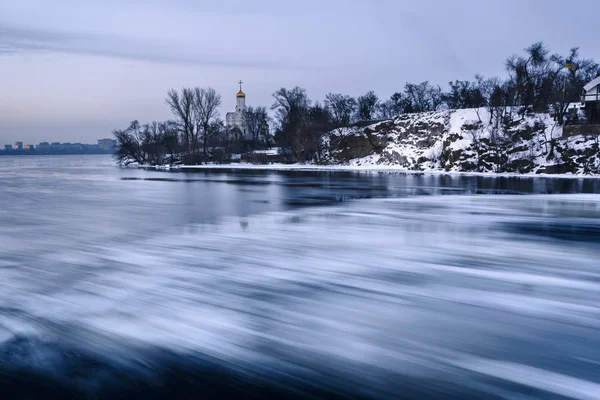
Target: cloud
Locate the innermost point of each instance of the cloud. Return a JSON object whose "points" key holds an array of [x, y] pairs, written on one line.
{"points": [[6, 49], [25, 40]]}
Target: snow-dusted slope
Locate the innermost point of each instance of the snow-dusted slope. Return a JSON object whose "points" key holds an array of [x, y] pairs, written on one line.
{"points": [[465, 140]]}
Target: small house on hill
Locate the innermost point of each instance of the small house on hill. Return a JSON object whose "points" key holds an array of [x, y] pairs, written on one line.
{"points": [[591, 99], [591, 91], [587, 121]]}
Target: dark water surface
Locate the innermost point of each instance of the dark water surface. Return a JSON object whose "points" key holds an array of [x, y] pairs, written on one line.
{"points": [[127, 283]]}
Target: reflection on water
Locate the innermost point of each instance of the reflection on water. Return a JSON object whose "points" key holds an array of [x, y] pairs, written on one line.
{"points": [[124, 283]]}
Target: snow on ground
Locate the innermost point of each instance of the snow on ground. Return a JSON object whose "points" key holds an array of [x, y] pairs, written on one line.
{"points": [[459, 140], [271, 152]]}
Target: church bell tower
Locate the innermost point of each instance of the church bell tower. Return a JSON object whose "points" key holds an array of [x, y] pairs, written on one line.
{"points": [[236, 120], [241, 100]]}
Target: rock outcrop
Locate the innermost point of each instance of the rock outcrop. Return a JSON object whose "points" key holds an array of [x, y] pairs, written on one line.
{"points": [[466, 141]]}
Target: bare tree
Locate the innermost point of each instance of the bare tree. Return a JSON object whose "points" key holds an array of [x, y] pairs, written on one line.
{"points": [[341, 108], [367, 106], [257, 123], [396, 105], [182, 106], [569, 83], [169, 135], [291, 110], [422, 97], [310, 138], [463, 94], [154, 143], [386, 109], [205, 106], [128, 144]]}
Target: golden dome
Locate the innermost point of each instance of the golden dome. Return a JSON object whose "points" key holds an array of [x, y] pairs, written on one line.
{"points": [[240, 94]]}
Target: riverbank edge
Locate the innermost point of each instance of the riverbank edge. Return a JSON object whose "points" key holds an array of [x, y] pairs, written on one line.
{"points": [[349, 168]]}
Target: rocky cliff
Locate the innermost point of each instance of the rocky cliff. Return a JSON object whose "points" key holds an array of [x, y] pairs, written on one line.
{"points": [[469, 140]]}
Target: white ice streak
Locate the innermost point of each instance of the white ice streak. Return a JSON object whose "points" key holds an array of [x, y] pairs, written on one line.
{"points": [[391, 283], [535, 377]]}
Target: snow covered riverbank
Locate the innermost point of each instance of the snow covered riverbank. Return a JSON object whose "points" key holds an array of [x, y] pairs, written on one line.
{"points": [[452, 141]]}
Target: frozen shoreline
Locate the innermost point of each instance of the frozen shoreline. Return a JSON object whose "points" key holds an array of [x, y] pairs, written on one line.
{"points": [[351, 168]]}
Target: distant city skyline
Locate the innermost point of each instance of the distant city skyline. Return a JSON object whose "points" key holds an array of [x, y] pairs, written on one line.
{"points": [[15, 143], [74, 71], [102, 146], [56, 142]]}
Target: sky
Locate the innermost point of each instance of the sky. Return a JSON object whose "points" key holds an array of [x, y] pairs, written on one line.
{"points": [[75, 70]]}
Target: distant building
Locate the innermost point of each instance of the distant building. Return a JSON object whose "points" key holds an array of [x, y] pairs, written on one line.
{"points": [[29, 147], [43, 144], [591, 91], [55, 144], [591, 99], [8, 147], [107, 144], [236, 121], [18, 145]]}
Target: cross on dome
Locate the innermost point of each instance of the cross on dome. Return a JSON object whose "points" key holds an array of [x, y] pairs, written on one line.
{"points": [[240, 93]]}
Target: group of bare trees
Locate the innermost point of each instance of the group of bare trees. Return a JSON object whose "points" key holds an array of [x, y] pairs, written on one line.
{"points": [[196, 118], [300, 124], [195, 109], [537, 81], [195, 135], [257, 125], [154, 143]]}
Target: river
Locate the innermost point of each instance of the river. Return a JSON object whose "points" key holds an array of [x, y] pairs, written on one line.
{"points": [[129, 283]]}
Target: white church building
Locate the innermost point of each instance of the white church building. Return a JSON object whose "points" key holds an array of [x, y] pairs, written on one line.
{"points": [[237, 120]]}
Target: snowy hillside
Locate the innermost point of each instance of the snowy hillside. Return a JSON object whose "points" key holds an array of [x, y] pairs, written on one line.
{"points": [[468, 140]]}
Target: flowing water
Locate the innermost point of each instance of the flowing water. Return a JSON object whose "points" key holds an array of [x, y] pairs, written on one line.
{"points": [[125, 283]]}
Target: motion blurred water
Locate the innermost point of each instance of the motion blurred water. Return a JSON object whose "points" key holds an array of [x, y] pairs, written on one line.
{"points": [[132, 283]]}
